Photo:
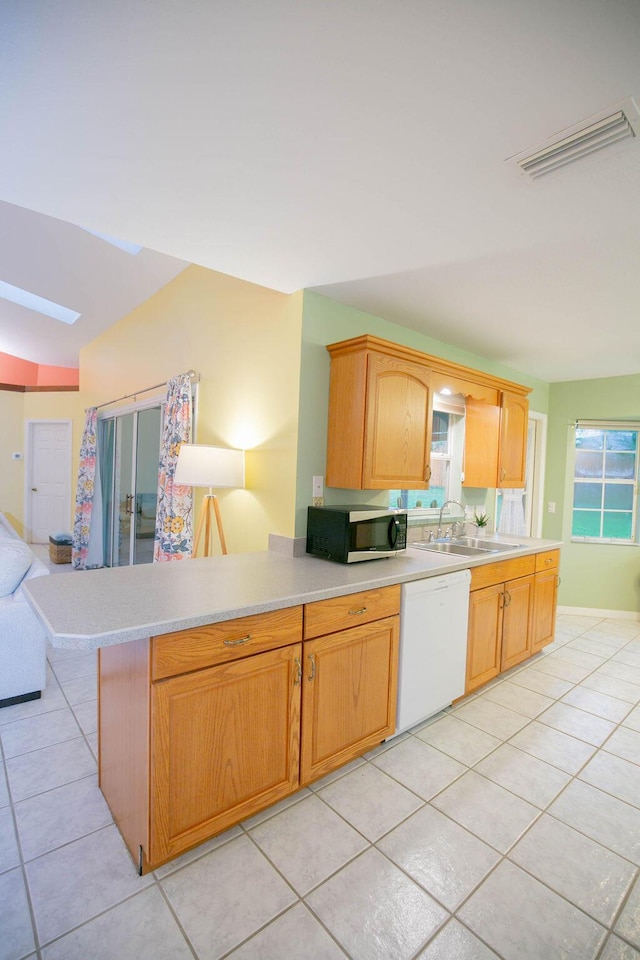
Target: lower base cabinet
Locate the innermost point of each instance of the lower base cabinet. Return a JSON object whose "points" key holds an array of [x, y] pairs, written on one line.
{"points": [[225, 743], [512, 608], [348, 695], [545, 600], [201, 729]]}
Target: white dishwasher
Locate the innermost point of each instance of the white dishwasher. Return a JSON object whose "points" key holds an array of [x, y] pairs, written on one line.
{"points": [[434, 614]]}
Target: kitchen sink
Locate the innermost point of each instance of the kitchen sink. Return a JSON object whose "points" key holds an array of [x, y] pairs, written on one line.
{"points": [[493, 545], [465, 546], [460, 549]]}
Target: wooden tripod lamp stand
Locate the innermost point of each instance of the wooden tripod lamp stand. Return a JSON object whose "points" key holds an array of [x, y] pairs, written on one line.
{"points": [[203, 466]]}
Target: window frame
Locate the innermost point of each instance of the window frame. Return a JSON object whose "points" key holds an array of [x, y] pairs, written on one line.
{"points": [[605, 426]]}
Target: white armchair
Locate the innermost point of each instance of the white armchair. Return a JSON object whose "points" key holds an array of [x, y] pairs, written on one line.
{"points": [[23, 651]]}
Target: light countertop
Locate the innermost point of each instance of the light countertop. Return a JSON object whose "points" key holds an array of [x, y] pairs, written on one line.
{"points": [[95, 608]]}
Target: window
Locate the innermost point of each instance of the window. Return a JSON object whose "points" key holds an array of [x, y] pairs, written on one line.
{"points": [[605, 482], [447, 440]]}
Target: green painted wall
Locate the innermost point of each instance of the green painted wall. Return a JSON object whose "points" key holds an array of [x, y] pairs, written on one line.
{"points": [[325, 321], [598, 576]]}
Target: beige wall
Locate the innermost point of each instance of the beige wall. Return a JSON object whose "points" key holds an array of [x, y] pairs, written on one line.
{"points": [[12, 471], [15, 410], [244, 341]]}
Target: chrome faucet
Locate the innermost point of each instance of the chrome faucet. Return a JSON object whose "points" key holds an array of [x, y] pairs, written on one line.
{"points": [[442, 511]]}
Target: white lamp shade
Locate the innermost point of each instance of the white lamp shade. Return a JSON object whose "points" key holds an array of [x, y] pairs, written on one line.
{"points": [[203, 466]]}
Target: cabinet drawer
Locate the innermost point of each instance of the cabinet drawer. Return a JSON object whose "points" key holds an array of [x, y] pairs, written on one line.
{"points": [[547, 560], [339, 613], [491, 573], [186, 650]]}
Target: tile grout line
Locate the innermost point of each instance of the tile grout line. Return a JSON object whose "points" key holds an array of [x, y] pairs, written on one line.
{"points": [[373, 844]]}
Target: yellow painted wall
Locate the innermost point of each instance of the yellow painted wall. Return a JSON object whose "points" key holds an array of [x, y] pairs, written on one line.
{"points": [[15, 410], [244, 341], [12, 471]]}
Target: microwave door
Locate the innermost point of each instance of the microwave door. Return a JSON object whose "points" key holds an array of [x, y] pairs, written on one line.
{"points": [[393, 531]]}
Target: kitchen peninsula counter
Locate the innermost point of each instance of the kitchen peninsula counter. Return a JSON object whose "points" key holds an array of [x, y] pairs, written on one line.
{"points": [[99, 608]]}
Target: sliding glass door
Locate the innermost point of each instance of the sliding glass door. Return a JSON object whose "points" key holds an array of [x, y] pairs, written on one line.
{"points": [[129, 456]]}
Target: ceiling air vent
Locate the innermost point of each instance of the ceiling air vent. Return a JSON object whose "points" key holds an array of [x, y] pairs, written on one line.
{"points": [[620, 123]]}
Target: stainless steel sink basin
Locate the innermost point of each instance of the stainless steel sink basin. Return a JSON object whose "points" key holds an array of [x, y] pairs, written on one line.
{"points": [[459, 549], [465, 546], [493, 545]]}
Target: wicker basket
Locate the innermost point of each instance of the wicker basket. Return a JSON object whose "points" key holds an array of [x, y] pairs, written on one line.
{"points": [[59, 552]]}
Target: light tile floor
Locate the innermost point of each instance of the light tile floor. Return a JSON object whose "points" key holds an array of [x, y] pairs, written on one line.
{"points": [[506, 827]]}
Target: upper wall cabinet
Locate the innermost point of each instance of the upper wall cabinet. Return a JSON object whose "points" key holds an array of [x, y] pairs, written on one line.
{"points": [[379, 435], [495, 447], [380, 407], [512, 462]]}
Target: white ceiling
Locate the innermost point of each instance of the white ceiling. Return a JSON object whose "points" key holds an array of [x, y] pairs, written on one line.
{"points": [[356, 147]]}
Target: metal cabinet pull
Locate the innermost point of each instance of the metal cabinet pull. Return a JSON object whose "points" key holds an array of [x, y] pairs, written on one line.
{"points": [[507, 598], [298, 663], [312, 657], [427, 472], [236, 643], [357, 612]]}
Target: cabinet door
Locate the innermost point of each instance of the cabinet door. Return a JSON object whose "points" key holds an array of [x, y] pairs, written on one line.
{"points": [[349, 690], [516, 621], [225, 744], [397, 446], [485, 632], [544, 609], [481, 442], [514, 419]]}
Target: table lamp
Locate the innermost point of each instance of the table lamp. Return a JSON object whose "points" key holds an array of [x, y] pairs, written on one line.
{"points": [[200, 465]]}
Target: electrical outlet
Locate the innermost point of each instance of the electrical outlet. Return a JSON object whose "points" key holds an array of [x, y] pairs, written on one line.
{"points": [[551, 506], [317, 502]]}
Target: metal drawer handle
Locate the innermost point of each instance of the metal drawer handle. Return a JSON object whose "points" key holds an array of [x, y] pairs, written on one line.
{"points": [[298, 678], [236, 643], [312, 657], [356, 613]]}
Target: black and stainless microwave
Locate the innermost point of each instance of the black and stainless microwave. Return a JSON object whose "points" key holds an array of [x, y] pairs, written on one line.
{"points": [[355, 532]]}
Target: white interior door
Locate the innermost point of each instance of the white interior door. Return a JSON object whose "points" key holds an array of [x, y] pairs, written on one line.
{"points": [[48, 478]]}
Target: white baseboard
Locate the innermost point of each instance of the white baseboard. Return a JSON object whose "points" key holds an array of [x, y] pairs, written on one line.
{"points": [[605, 614]]}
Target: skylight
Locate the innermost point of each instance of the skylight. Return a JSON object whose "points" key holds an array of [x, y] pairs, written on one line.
{"points": [[125, 245], [32, 302]]}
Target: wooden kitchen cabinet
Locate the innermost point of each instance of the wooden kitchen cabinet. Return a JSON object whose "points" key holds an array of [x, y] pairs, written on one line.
{"points": [[205, 727], [380, 408], [545, 599], [379, 433], [512, 452], [500, 617], [197, 731], [484, 635], [225, 744], [516, 621], [350, 678], [495, 443], [481, 443]]}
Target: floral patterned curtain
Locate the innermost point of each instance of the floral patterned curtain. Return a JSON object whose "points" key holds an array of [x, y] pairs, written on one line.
{"points": [[85, 491], [174, 514]]}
